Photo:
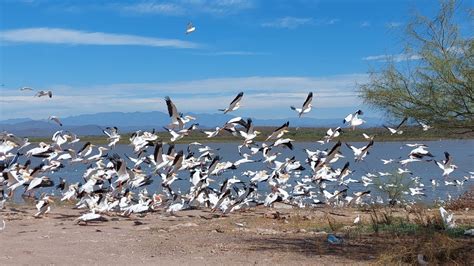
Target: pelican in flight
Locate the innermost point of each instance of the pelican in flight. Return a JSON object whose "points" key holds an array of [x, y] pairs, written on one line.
{"points": [[190, 28], [353, 119], [43, 206], [55, 119], [446, 165], [44, 93], [279, 132], [113, 136], [397, 129], [424, 126], [360, 153], [306, 105], [234, 105]]}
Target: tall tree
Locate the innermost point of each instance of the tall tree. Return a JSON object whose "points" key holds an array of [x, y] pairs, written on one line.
{"points": [[435, 88]]}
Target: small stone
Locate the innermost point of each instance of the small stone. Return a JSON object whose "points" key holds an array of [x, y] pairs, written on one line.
{"points": [[272, 215]]}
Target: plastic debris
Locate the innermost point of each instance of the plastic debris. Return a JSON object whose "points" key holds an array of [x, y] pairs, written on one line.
{"points": [[335, 240]]}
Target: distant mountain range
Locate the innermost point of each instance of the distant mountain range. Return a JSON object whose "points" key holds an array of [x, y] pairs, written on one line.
{"points": [[91, 124]]}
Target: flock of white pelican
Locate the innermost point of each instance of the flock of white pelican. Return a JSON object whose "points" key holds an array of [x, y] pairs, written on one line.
{"points": [[115, 184]]}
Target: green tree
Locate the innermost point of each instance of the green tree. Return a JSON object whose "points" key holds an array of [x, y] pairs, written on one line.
{"points": [[437, 88]]}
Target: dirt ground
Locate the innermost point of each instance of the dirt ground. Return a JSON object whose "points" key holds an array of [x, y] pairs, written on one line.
{"points": [[194, 237]]}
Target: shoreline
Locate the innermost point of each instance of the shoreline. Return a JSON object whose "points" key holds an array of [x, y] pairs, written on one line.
{"points": [[264, 236], [298, 135]]}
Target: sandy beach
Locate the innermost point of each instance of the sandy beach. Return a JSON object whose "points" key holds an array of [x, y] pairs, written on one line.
{"points": [[197, 237]]}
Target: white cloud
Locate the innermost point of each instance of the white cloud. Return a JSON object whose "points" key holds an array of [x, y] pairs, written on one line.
{"points": [[295, 22], [154, 8], [393, 24], [232, 53], [365, 24], [187, 7], [76, 37], [395, 58], [262, 95], [288, 22], [331, 21]]}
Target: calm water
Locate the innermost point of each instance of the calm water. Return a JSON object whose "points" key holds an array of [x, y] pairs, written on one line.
{"points": [[462, 152]]}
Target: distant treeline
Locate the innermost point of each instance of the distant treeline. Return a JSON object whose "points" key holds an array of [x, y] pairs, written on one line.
{"points": [[302, 134]]}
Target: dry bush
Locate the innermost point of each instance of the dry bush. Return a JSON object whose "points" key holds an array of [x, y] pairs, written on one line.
{"points": [[333, 224], [423, 219], [436, 248], [466, 200], [379, 217]]}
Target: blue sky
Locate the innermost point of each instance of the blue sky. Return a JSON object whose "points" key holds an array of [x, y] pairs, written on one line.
{"points": [[127, 55]]}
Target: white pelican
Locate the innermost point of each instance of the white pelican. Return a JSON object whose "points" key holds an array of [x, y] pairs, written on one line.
{"points": [[55, 119], [44, 93], [279, 132], [234, 105], [43, 206], [190, 28], [353, 119], [306, 105], [357, 219], [397, 129], [90, 217], [446, 165], [113, 136], [424, 126], [448, 219], [360, 153]]}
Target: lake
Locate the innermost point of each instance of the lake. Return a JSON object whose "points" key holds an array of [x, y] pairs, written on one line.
{"points": [[462, 152]]}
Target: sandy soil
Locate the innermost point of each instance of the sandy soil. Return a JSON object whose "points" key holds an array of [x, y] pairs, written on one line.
{"points": [[193, 237]]}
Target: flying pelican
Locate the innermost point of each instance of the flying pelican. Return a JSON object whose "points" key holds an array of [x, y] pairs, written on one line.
{"points": [[446, 165], [113, 136], [234, 105], [331, 134], [55, 119], [424, 126], [397, 129], [190, 28], [44, 93], [306, 105], [353, 119], [177, 119], [360, 153], [43, 206], [279, 132]]}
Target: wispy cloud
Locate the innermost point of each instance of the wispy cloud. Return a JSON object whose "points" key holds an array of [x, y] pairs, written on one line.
{"points": [[232, 53], [77, 37], [395, 58], [295, 22], [365, 24], [393, 24], [262, 95], [330, 21], [154, 8], [187, 7], [288, 22]]}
